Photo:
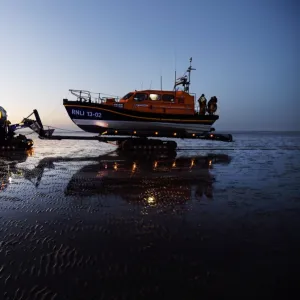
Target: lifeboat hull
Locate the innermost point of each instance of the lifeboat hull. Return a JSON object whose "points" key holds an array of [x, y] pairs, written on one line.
{"points": [[100, 118]]}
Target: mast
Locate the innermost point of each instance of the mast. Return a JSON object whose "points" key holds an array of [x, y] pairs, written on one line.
{"points": [[185, 80], [189, 71]]}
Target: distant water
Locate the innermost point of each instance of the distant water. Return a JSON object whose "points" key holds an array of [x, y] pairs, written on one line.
{"points": [[80, 221]]}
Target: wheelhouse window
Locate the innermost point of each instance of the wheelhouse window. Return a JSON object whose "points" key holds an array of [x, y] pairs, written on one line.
{"points": [[168, 98], [140, 97], [154, 97], [127, 96]]}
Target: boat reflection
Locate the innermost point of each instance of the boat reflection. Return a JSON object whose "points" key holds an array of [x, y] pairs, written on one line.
{"points": [[148, 180]]}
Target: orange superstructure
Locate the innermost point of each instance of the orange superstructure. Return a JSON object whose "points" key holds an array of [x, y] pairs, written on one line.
{"points": [[157, 101]]}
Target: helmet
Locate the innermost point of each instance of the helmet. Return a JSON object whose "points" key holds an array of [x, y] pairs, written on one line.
{"points": [[3, 114]]}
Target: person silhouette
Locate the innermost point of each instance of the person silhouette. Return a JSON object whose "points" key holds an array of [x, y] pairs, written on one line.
{"points": [[202, 104]]}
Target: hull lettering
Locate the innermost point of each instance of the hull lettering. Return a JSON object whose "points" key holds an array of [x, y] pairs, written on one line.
{"points": [[77, 112]]}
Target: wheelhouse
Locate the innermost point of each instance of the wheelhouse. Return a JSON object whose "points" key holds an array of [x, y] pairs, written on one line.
{"points": [[156, 101]]}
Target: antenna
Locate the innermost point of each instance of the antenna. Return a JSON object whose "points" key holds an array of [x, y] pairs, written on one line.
{"points": [[150, 85], [161, 83], [175, 59], [175, 65], [175, 81]]}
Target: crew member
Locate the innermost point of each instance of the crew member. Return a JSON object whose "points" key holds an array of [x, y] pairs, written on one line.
{"points": [[2, 132], [212, 105], [2, 123], [10, 133], [202, 104]]}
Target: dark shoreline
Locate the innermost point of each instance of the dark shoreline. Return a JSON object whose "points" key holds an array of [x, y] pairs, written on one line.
{"points": [[78, 224]]}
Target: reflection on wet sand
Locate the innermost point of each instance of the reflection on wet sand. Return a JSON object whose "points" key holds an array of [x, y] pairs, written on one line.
{"points": [[8, 166], [148, 180], [61, 241]]}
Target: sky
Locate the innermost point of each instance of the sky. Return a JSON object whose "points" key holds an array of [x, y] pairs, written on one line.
{"points": [[245, 52]]}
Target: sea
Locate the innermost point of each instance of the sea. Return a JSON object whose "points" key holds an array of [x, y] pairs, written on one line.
{"points": [[80, 220]]}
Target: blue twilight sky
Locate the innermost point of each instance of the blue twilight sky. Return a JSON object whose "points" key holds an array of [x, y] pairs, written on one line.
{"points": [[245, 52]]}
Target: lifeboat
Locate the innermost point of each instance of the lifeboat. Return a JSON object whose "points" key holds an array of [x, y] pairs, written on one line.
{"points": [[166, 113]]}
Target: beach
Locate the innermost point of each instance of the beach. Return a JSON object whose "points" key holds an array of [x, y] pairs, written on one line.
{"points": [[80, 221]]}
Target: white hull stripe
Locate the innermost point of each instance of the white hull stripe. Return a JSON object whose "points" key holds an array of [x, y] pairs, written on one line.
{"points": [[135, 125]]}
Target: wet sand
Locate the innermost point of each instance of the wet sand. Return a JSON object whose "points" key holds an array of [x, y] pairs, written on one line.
{"points": [[80, 222]]}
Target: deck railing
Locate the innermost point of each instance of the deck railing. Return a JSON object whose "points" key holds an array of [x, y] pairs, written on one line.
{"points": [[196, 103], [87, 96]]}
